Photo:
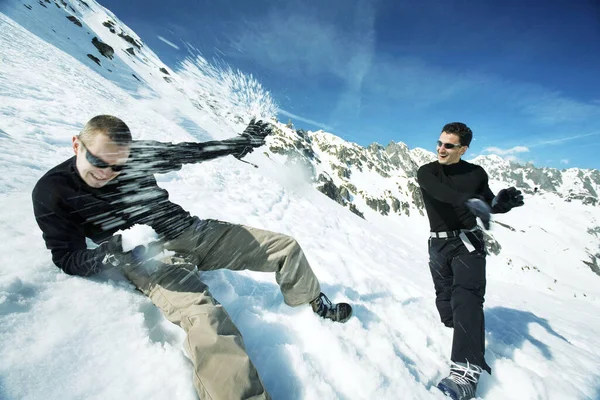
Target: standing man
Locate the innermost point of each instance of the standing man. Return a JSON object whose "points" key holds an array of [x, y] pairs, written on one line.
{"points": [[109, 185], [455, 192]]}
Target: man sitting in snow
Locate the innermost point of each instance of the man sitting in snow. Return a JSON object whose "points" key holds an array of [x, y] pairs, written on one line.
{"points": [[455, 192], [109, 186]]}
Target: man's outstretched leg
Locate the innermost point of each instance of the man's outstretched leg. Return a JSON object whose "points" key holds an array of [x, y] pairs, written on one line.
{"points": [[222, 368], [217, 244]]}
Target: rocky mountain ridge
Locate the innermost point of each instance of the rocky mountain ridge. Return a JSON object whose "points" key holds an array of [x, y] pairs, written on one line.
{"points": [[383, 178]]}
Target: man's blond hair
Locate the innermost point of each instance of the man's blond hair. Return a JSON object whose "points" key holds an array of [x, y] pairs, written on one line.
{"points": [[108, 125]]}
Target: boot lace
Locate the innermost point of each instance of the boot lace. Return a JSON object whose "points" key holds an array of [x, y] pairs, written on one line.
{"points": [[465, 374], [324, 305]]}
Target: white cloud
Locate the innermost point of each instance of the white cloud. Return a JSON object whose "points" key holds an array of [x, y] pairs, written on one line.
{"points": [[507, 152], [564, 161], [308, 121], [567, 138], [513, 158], [167, 42]]}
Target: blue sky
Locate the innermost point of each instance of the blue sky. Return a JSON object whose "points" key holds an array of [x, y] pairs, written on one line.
{"points": [[524, 75]]}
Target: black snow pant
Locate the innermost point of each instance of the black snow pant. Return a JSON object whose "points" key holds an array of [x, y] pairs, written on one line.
{"points": [[459, 281]]}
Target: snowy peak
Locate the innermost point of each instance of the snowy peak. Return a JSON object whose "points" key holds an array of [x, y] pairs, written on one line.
{"points": [[421, 156], [372, 179], [570, 184], [400, 156], [95, 37]]}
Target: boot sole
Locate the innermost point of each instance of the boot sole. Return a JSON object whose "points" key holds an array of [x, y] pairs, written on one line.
{"points": [[342, 320], [447, 391]]}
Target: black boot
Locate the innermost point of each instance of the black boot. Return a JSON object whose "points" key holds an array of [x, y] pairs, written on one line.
{"points": [[340, 312], [461, 384]]}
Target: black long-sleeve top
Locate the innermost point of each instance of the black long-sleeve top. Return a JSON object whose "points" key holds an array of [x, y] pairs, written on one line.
{"points": [[68, 211], [445, 190]]}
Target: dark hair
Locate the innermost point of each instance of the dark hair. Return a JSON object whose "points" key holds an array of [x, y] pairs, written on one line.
{"points": [[463, 131], [109, 125]]}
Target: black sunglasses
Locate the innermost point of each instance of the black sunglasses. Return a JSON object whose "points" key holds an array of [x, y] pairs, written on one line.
{"points": [[448, 145], [99, 163]]}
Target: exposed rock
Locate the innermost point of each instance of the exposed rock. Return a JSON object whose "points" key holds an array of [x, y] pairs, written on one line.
{"points": [[351, 188], [28, 6], [400, 207], [164, 71], [330, 190], [587, 184], [341, 171], [110, 25], [84, 3], [545, 178], [379, 205], [131, 40], [167, 79], [399, 156], [95, 59], [594, 231], [355, 210], [130, 51], [346, 155], [396, 205], [593, 264], [42, 4], [417, 197], [304, 135], [406, 208], [74, 20], [309, 153], [136, 77], [344, 193], [375, 147], [585, 199], [103, 48]]}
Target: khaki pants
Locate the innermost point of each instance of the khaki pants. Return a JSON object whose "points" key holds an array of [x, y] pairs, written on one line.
{"points": [[222, 369]]}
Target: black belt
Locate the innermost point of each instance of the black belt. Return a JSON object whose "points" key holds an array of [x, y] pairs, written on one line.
{"points": [[452, 234], [445, 235]]}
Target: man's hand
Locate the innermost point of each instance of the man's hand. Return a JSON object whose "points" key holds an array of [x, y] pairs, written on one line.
{"points": [[255, 133], [507, 199], [138, 255], [481, 209]]}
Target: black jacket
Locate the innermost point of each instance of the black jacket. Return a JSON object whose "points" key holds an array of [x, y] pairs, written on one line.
{"points": [[445, 190], [68, 211]]}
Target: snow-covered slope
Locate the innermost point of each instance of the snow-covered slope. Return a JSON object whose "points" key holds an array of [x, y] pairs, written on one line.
{"points": [[64, 337]]}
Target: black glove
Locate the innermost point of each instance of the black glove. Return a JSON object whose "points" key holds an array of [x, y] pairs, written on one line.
{"points": [[255, 133], [138, 255], [481, 209], [506, 199]]}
